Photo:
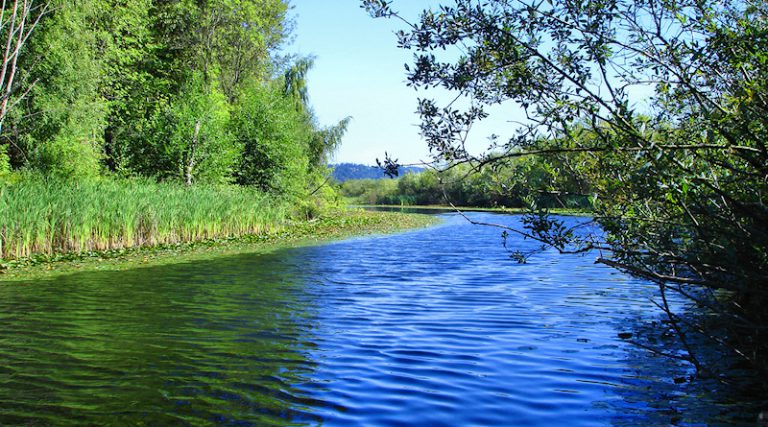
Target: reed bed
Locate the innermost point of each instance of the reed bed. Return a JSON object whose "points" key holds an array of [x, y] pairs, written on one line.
{"points": [[48, 216]]}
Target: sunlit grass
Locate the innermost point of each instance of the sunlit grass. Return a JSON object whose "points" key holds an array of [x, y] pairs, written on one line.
{"points": [[47, 216]]}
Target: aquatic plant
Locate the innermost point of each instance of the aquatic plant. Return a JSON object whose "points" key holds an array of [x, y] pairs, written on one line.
{"points": [[45, 215]]}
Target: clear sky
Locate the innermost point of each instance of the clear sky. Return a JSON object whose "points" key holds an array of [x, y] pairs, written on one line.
{"points": [[359, 72]]}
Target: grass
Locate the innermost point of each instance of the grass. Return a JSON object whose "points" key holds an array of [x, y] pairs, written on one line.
{"points": [[332, 226], [41, 216]]}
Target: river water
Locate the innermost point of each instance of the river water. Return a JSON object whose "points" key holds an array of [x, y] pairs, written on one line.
{"points": [[430, 327]]}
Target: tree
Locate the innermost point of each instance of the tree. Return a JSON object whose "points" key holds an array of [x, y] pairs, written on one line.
{"points": [[324, 141], [190, 140], [680, 183], [58, 127], [275, 138], [134, 83], [152, 49], [232, 39], [18, 20], [285, 150]]}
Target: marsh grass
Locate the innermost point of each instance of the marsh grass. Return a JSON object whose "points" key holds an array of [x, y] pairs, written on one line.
{"points": [[47, 216]]}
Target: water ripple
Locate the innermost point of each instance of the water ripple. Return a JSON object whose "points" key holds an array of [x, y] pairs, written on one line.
{"points": [[434, 327]]}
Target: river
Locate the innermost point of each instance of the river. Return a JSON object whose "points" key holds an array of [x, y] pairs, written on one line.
{"points": [[431, 327]]}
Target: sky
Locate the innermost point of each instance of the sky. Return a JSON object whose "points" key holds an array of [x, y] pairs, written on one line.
{"points": [[359, 72]]}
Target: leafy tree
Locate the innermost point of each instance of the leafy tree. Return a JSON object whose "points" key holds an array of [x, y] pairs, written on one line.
{"points": [[134, 82], [191, 138], [324, 141], [18, 19], [680, 183], [285, 151], [58, 127], [231, 38], [151, 49], [275, 138]]}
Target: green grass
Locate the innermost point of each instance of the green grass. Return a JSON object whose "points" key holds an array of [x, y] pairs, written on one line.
{"points": [[331, 226], [41, 216]]}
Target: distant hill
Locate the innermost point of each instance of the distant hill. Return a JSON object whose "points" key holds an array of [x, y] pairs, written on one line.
{"points": [[346, 171]]}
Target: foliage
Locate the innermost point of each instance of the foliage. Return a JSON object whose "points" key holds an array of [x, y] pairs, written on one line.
{"points": [[18, 21], [176, 91], [40, 215], [680, 182], [110, 79], [191, 140], [514, 183], [371, 191], [135, 80], [285, 151], [59, 124], [274, 135], [232, 38]]}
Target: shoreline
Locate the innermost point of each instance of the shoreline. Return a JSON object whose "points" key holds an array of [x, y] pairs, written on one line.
{"points": [[336, 226], [511, 211]]}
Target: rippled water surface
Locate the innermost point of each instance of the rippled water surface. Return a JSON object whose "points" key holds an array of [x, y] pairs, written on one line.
{"points": [[432, 327]]}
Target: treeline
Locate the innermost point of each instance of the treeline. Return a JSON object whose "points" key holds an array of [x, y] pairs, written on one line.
{"points": [[542, 182], [176, 90]]}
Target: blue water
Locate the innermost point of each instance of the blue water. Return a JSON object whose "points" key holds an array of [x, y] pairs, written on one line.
{"points": [[432, 327]]}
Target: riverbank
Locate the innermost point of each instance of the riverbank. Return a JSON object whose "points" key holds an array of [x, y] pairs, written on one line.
{"points": [[45, 216], [335, 225], [512, 211]]}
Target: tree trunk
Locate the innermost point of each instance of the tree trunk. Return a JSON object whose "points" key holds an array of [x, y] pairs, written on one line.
{"points": [[190, 166], [16, 29]]}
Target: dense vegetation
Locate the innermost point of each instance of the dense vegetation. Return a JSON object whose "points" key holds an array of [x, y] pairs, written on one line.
{"points": [[660, 106], [514, 183], [47, 216], [328, 225], [104, 99]]}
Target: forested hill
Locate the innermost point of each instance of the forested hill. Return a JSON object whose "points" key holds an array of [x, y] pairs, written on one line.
{"points": [[347, 171]]}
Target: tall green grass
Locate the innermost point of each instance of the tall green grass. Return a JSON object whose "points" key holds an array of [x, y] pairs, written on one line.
{"points": [[46, 216]]}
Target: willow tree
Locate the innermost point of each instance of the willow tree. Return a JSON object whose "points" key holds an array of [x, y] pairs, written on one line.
{"points": [[680, 180], [285, 149]]}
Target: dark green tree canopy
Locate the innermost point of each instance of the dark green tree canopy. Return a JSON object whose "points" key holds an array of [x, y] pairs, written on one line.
{"points": [[156, 88]]}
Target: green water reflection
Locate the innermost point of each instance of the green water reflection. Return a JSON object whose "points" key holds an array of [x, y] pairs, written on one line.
{"points": [[180, 344]]}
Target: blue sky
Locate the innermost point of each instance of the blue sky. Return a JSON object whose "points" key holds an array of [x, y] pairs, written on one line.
{"points": [[359, 72]]}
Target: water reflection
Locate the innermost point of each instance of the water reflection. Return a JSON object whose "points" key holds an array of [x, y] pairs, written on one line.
{"points": [[219, 341], [660, 391], [433, 327]]}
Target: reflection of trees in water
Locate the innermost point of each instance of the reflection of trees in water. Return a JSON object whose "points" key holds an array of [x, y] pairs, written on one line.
{"points": [[663, 388], [215, 341]]}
